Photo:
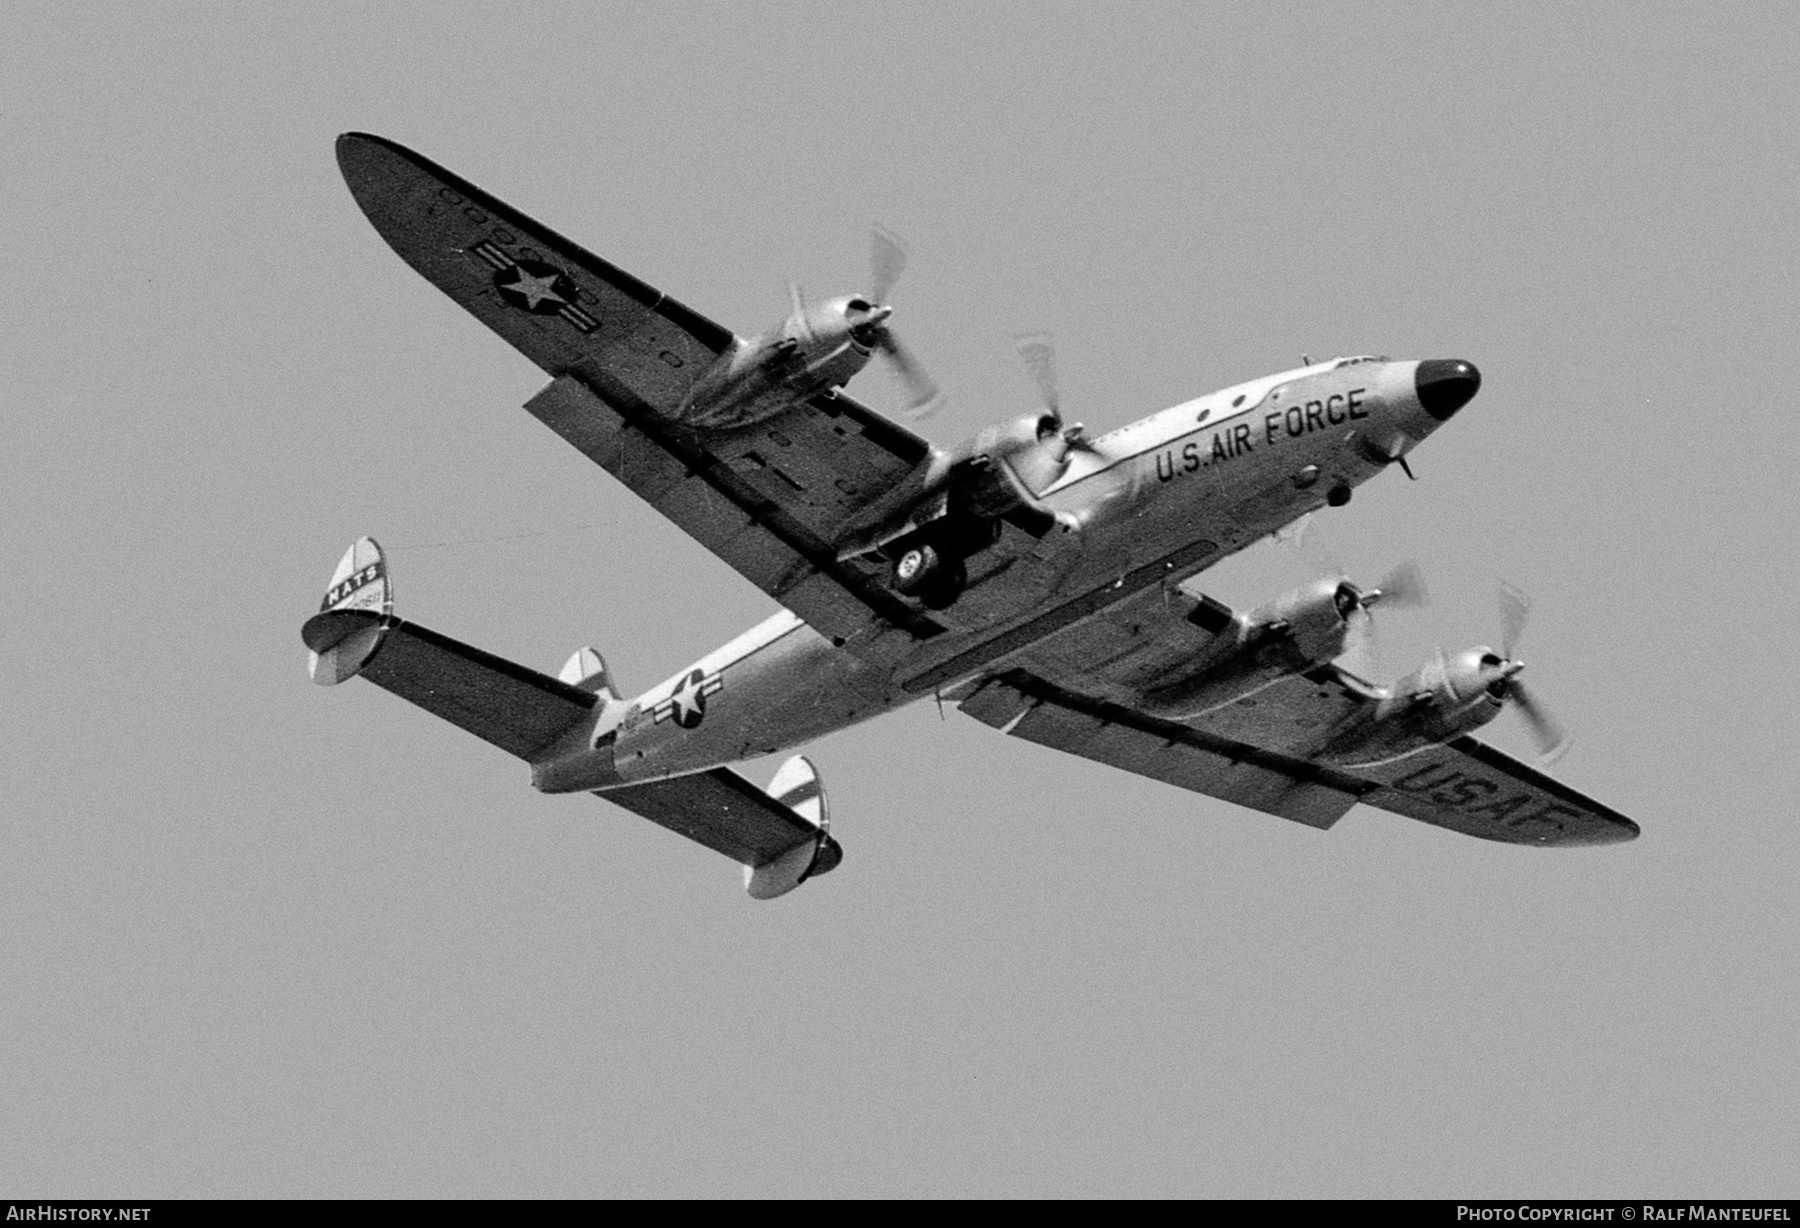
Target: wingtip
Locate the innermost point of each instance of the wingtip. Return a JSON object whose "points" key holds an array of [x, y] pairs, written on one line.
{"points": [[349, 142], [367, 149]]}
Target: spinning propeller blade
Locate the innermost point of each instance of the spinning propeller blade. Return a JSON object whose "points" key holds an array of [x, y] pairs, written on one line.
{"points": [[1038, 352], [1552, 739], [1403, 588], [887, 260], [923, 397], [1515, 608]]}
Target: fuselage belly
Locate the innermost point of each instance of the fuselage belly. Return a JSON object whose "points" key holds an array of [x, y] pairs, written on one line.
{"points": [[1155, 502]]}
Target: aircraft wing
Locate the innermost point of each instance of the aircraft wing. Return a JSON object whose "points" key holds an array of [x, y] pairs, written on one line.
{"points": [[1462, 785], [771, 499]]}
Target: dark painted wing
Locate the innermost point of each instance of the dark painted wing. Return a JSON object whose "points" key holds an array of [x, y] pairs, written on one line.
{"points": [[1462, 785], [772, 500], [1470, 787], [740, 513], [562, 306], [1030, 708]]}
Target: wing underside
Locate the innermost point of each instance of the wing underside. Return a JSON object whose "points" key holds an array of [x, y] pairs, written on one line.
{"points": [[771, 499], [1462, 785]]}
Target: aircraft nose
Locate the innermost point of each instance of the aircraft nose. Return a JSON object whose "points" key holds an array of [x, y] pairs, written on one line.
{"points": [[1445, 385]]}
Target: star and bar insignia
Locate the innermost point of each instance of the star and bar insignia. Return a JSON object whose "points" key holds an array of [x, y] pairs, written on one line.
{"points": [[542, 289], [687, 706]]}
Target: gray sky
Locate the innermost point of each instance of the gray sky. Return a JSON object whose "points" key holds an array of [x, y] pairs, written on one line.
{"points": [[260, 938]]}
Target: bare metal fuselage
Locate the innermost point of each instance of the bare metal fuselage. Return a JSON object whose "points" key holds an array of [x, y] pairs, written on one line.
{"points": [[1151, 503]]}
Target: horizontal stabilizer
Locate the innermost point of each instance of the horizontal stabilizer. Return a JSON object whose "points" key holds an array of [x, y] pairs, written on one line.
{"points": [[781, 837], [519, 710]]}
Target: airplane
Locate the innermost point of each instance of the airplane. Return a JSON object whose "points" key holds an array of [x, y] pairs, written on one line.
{"points": [[1033, 576]]}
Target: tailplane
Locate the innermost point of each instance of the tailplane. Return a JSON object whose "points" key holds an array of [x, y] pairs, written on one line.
{"points": [[781, 836]]}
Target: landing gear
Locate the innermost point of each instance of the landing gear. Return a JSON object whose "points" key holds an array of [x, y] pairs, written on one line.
{"points": [[924, 572]]}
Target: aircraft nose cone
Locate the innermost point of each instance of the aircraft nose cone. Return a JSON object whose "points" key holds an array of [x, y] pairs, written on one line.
{"points": [[1445, 385]]}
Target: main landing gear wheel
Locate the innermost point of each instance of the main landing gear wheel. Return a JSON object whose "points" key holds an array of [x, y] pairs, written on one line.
{"points": [[924, 572]]}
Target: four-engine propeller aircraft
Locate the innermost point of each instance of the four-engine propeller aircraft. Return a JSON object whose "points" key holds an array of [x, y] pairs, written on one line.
{"points": [[1030, 575]]}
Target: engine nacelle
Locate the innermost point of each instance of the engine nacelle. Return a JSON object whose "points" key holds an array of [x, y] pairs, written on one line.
{"points": [[1443, 699], [1253, 651], [819, 346], [1005, 467], [959, 494]]}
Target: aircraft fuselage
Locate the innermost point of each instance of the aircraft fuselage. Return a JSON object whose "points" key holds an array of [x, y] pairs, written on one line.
{"points": [[1154, 502]]}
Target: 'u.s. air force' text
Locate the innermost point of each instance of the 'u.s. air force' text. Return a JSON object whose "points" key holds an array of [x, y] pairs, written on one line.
{"points": [[1300, 419]]}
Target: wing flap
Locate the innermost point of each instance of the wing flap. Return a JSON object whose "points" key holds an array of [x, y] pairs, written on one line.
{"points": [[1029, 708], [754, 535], [1462, 785]]}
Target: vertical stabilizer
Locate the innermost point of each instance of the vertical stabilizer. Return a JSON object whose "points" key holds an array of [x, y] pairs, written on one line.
{"points": [[342, 634], [587, 670], [797, 787]]}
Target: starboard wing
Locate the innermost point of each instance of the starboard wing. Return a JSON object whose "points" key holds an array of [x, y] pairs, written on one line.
{"points": [[563, 307], [773, 500]]}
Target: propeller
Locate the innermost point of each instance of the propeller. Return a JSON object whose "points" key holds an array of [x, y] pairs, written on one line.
{"points": [[1403, 588], [887, 260], [797, 298], [1552, 739], [1038, 352]]}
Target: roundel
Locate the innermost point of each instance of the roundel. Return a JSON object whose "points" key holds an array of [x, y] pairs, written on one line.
{"points": [[539, 288], [690, 704]]}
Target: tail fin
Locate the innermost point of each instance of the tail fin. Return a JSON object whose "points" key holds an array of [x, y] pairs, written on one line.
{"points": [[797, 786], [587, 670], [341, 646]]}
